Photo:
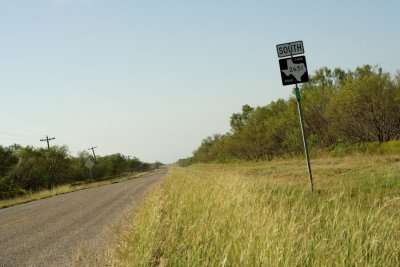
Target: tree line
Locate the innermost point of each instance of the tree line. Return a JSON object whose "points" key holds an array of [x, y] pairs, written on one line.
{"points": [[33, 169], [343, 110]]}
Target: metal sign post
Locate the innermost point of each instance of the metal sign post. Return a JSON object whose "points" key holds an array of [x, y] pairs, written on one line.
{"points": [[89, 164], [294, 71], [91, 176], [304, 137]]}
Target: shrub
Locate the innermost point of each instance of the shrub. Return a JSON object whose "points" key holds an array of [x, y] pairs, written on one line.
{"points": [[341, 149], [12, 194], [372, 147], [226, 158], [391, 147]]}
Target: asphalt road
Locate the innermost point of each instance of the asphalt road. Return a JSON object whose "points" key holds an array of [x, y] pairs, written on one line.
{"points": [[49, 232]]}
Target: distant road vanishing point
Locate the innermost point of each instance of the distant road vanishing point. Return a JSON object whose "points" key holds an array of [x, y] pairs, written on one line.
{"points": [[48, 232]]}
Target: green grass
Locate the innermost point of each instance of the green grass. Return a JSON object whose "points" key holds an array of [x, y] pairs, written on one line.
{"points": [[263, 214], [32, 196]]}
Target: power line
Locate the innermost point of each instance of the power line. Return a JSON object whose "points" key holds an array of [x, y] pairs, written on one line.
{"points": [[47, 139], [17, 137], [19, 134]]}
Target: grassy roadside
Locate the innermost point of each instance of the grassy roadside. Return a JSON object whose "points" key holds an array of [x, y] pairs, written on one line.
{"points": [[263, 214], [63, 189]]}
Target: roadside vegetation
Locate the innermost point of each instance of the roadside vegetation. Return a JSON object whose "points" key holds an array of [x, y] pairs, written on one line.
{"points": [[62, 189], [243, 198], [26, 171], [263, 214], [344, 112]]}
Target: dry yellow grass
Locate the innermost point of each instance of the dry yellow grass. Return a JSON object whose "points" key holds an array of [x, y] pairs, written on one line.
{"points": [[263, 214]]}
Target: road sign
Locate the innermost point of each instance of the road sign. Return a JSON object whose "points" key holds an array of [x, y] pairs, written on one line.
{"points": [[89, 164], [290, 49], [293, 70]]}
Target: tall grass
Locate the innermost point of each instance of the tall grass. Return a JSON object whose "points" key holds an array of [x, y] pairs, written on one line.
{"points": [[263, 214]]}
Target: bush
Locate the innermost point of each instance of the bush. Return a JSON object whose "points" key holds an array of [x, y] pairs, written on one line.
{"points": [[77, 183], [34, 169], [386, 148], [390, 148], [185, 162], [372, 147], [341, 149], [12, 193], [226, 158]]}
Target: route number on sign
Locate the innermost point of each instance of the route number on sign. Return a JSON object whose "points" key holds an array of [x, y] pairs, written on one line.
{"points": [[293, 70], [296, 69]]}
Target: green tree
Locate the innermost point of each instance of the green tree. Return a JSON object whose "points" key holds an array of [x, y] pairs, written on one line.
{"points": [[7, 160], [137, 165], [32, 171], [316, 96], [207, 152], [239, 120], [265, 132], [339, 106], [367, 108]]}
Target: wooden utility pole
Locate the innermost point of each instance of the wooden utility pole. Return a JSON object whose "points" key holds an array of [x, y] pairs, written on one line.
{"points": [[51, 162], [94, 155], [47, 139]]}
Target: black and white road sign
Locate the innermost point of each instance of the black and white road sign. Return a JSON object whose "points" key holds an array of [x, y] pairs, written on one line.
{"points": [[293, 70], [290, 49]]}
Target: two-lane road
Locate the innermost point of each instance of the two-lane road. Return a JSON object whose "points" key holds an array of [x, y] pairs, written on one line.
{"points": [[48, 232]]}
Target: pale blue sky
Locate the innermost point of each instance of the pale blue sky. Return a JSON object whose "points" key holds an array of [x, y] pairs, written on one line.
{"points": [[153, 78]]}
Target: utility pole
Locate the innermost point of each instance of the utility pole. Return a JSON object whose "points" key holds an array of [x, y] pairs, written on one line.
{"points": [[47, 139], [94, 155], [51, 161]]}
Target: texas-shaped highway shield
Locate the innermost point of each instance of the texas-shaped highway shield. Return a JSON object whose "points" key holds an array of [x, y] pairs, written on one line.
{"points": [[293, 70]]}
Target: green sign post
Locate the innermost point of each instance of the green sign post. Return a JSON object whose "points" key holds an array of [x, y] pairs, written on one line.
{"points": [[304, 138]]}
